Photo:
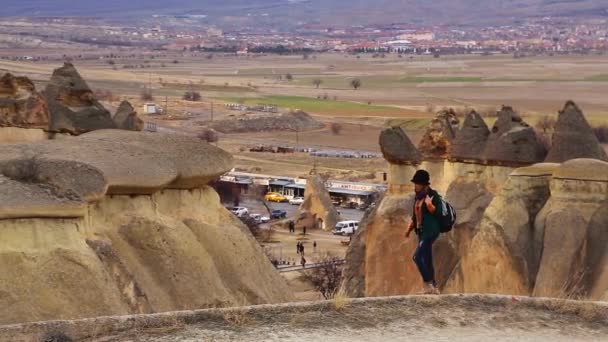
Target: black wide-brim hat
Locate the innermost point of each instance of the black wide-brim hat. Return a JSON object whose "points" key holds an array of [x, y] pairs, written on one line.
{"points": [[421, 177]]}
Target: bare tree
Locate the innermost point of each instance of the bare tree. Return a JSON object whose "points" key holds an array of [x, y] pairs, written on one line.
{"points": [[192, 96], [317, 82], [327, 276], [546, 123], [336, 128], [355, 83]]}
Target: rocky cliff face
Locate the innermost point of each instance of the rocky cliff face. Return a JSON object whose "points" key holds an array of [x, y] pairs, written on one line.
{"points": [[436, 144], [535, 230], [24, 113], [74, 108], [87, 231], [21, 105]]}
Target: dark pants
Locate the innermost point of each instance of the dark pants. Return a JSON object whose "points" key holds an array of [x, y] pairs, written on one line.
{"points": [[423, 257]]}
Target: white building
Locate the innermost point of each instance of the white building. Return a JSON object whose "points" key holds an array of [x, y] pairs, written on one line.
{"points": [[150, 108]]}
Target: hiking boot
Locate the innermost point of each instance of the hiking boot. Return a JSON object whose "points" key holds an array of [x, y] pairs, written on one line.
{"points": [[434, 290], [427, 289]]}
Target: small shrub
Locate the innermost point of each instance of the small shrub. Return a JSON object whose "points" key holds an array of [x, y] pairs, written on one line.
{"points": [[57, 337], [327, 277], [336, 128], [546, 123], [209, 135]]}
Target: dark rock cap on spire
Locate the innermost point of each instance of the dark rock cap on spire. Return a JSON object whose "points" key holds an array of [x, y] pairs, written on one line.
{"points": [[513, 142], [574, 138], [397, 147], [470, 141]]}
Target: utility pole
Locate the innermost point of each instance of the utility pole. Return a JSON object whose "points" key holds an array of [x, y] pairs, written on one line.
{"points": [[166, 105], [211, 110], [297, 139]]}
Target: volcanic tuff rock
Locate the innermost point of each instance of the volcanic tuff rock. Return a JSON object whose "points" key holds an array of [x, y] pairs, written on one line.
{"points": [[470, 142], [21, 105], [116, 222], [72, 104], [575, 226], [317, 208], [437, 140], [397, 147], [573, 137], [513, 142], [506, 238], [126, 118]]}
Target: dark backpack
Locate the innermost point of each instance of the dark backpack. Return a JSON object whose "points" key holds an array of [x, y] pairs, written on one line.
{"points": [[447, 218]]}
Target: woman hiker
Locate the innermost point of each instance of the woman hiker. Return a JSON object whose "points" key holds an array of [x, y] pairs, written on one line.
{"points": [[425, 222]]}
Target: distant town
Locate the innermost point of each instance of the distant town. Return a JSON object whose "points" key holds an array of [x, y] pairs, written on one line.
{"points": [[192, 33]]}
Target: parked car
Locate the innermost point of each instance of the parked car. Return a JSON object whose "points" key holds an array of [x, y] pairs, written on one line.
{"points": [[240, 211], [278, 214], [346, 227], [275, 197], [259, 218], [296, 201]]}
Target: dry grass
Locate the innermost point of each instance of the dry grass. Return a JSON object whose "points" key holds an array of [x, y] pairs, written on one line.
{"points": [[237, 318], [340, 301]]}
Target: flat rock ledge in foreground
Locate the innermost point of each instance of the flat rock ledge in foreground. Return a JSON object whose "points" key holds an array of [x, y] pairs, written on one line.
{"points": [[457, 317]]}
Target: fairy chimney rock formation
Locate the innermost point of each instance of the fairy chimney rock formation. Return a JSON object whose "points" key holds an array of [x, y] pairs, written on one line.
{"points": [[512, 142], [21, 105], [437, 141], [126, 118], [574, 138], [72, 104], [470, 141], [115, 222], [317, 209], [397, 147]]}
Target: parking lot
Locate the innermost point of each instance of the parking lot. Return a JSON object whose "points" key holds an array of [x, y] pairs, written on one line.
{"points": [[256, 207]]}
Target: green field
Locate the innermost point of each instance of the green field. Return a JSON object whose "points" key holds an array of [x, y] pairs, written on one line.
{"points": [[319, 106], [445, 79]]}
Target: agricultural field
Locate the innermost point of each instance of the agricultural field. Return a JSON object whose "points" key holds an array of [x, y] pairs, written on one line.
{"points": [[394, 90]]}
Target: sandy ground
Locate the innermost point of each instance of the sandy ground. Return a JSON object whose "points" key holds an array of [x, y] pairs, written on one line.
{"points": [[442, 318]]}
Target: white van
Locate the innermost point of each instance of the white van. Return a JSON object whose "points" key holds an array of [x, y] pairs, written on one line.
{"points": [[346, 227]]}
